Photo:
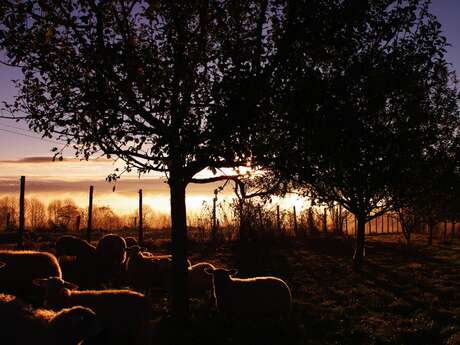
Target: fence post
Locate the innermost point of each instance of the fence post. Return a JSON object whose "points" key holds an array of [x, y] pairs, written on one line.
{"points": [[383, 224], [388, 224], [21, 212], [453, 229], [77, 223], [214, 217], [141, 223], [8, 215], [325, 220], [355, 226], [90, 214], [278, 221], [295, 219]]}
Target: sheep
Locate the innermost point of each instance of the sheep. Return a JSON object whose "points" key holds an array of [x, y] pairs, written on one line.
{"points": [[23, 325], [2, 264], [124, 315], [131, 241], [111, 256], [250, 297], [77, 258], [74, 246], [145, 270], [22, 267], [199, 282]]}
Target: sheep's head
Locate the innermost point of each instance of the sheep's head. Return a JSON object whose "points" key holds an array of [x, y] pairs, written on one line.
{"points": [[2, 264], [53, 288], [220, 274], [73, 325]]}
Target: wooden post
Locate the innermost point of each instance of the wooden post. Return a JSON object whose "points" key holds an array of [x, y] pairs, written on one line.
{"points": [[370, 227], [278, 220], [383, 224], [453, 229], [392, 225], [355, 226], [21, 212], [376, 225], [325, 220], [214, 217], [90, 214], [77, 223], [135, 222], [295, 219], [8, 215], [346, 225], [445, 230], [141, 222]]}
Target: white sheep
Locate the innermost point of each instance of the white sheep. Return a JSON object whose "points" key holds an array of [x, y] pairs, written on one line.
{"points": [[77, 258], [111, 256], [124, 315], [199, 282], [23, 325], [250, 297], [145, 271], [22, 267], [74, 246]]}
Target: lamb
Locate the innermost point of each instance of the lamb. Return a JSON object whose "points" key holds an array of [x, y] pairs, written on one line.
{"points": [[124, 315], [111, 256], [199, 282], [251, 297], [23, 325], [22, 267]]}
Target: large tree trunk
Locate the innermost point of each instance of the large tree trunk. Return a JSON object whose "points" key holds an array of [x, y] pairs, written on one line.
{"points": [[358, 257], [180, 307]]}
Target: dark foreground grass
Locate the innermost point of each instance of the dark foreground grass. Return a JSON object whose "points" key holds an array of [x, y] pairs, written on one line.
{"points": [[403, 296]]}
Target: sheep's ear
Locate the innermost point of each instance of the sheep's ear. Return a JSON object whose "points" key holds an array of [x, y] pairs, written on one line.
{"points": [[70, 286], [209, 270], [42, 282], [232, 272]]}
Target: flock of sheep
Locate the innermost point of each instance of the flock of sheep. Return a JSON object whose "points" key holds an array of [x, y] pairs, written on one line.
{"points": [[103, 294]]}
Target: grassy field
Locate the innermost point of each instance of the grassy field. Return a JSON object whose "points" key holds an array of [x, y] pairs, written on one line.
{"points": [[405, 295]]}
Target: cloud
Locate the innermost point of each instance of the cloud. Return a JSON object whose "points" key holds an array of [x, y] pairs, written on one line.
{"points": [[48, 159], [36, 159]]}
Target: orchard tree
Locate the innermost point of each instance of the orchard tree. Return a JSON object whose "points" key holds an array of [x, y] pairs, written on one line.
{"points": [[173, 87], [364, 95]]}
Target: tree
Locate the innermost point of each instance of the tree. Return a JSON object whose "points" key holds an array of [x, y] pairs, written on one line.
{"points": [[167, 86], [36, 213], [8, 212], [364, 95]]}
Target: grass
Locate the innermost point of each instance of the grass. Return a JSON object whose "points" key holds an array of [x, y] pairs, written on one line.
{"points": [[404, 295]]}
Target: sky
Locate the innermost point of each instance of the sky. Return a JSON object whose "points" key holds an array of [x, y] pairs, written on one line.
{"points": [[22, 152]]}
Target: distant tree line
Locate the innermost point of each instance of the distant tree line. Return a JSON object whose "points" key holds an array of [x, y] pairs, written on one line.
{"points": [[65, 215]]}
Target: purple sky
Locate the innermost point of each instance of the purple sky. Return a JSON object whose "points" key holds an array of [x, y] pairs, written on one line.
{"points": [[15, 146]]}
